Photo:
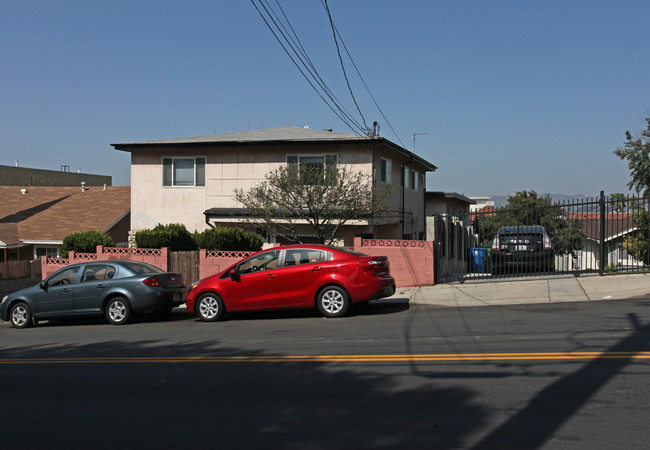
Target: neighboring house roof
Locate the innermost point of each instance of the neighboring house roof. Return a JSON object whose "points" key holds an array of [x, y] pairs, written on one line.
{"points": [[616, 225], [24, 176], [271, 136], [450, 195], [48, 214], [487, 210]]}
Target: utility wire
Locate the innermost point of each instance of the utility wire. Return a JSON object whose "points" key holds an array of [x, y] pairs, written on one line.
{"points": [[334, 106], [302, 62], [281, 28], [324, 3], [309, 63], [345, 74]]}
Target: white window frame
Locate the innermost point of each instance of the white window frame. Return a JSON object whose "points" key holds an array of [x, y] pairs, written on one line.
{"points": [[333, 159], [50, 252], [169, 179], [386, 170]]}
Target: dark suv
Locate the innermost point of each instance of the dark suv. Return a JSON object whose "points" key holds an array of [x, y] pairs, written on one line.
{"points": [[521, 249]]}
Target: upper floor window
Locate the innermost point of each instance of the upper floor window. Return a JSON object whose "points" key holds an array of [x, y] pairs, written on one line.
{"points": [[184, 171], [386, 171], [310, 168], [411, 179], [414, 180]]}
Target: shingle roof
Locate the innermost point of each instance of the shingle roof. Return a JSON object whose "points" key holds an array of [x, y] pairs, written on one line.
{"points": [[269, 135], [616, 225], [51, 213], [273, 135]]}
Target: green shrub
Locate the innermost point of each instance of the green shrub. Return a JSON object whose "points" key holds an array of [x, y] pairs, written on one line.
{"points": [[85, 242], [229, 238], [175, 236]]}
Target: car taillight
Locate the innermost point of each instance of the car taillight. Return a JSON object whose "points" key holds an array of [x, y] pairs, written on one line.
{"points": [[547, 243], [367, 266], [152, 282], [495, 244]]}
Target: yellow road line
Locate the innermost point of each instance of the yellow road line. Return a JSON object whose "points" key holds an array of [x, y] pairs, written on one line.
{"points": [[335, 358]]}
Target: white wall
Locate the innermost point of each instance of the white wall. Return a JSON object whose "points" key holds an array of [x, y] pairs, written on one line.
{"points": [[226, 170]]}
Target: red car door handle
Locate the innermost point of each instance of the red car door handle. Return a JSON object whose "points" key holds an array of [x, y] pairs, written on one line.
{"points": [[314, 269], [269, 276]]}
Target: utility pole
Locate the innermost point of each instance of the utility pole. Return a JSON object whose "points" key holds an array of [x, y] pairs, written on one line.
{"points": [[416, 134]]}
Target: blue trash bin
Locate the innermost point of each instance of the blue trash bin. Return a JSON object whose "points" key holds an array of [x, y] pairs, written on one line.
{"points": [[477, 258]]}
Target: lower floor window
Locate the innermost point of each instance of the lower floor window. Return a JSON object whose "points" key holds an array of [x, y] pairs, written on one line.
{"points": [[50, 252]]}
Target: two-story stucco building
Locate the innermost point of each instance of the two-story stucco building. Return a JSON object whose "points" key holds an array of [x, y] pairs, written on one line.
{"points": [[192, 180]]}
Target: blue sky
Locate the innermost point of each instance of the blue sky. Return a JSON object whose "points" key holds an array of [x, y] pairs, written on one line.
{"points": [[513, 95]]}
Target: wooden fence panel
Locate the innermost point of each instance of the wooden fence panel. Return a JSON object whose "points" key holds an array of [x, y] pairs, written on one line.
{"points": [[185, 263], [19, 269]]}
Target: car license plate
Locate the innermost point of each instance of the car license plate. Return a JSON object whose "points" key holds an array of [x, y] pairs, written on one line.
{"points": [[522, 248]]}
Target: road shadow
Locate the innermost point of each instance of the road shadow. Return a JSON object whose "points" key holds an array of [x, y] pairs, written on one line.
{"points": [[538, 421], [233, 404]]}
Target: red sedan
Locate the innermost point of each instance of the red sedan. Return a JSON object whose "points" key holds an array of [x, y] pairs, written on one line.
{"points": [[295, 276]]}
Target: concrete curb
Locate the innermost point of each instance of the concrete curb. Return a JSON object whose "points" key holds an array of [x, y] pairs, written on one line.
{"points": [[528, 291]]}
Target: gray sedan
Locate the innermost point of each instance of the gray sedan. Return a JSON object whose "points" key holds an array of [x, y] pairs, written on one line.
{"points": [[115, 289]]}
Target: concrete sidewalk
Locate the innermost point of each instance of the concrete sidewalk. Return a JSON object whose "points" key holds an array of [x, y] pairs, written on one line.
{"points": [[528, 291]]}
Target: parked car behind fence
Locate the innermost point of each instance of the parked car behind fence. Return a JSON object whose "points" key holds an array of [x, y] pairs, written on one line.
{"points": [[518, 249]]}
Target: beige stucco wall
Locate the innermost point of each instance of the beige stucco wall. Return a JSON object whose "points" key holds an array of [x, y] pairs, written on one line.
{"points": [[414, 222], [227, 169]]}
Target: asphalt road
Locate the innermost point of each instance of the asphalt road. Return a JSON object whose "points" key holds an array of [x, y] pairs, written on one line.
{"points": [[522, 376]]}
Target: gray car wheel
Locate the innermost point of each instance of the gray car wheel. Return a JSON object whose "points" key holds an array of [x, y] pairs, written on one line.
{"points": [[20, 315], [333, 301], [209, 307], [118, 311]]}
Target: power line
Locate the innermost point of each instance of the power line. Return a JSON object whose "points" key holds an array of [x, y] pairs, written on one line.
{"points": [[296, 52], [338, 51], [286, 44], [324, 3], [283, 31], [311, 66]]}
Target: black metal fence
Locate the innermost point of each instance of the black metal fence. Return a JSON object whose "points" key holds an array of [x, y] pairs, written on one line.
{"points": [[603, 235]]}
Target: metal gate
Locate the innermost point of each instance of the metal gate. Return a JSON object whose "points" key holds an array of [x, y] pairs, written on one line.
{"points": [[185, 263], [603, 235]]}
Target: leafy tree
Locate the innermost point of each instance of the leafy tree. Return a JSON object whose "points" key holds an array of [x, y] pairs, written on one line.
{"points": [[229, 238], [85, 242], [636, 150], [637, 153], [325, 196], [618, 202], [175, 236], [638, 243]]}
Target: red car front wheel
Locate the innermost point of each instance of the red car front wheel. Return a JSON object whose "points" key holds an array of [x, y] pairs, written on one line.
{"points": [[333, 301]]}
